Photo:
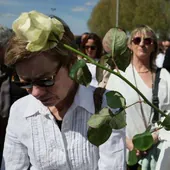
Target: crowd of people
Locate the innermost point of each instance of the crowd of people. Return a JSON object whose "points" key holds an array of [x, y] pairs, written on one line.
{"points": [[44, 113]]}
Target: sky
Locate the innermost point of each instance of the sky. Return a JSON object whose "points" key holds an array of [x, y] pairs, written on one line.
{"points": [[74, 12]]}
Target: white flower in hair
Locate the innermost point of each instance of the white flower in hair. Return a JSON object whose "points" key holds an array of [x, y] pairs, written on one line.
{"points": [[40, 31]]}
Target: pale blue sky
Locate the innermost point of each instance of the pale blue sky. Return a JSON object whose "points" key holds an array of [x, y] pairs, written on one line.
{"points": [[74, 12]]}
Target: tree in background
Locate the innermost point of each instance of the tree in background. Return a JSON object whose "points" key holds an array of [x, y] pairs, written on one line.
{"points": [[102, 17], [155, 13]]}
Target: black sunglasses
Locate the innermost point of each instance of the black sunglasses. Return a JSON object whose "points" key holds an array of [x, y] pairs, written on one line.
{"points": [[146, 41], [91, 47], [45, 82]]}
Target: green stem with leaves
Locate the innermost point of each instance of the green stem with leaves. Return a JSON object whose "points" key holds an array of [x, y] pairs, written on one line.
{"points": [[117, 74]]}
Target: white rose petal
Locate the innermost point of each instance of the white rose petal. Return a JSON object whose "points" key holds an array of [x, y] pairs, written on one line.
{"points": [[40, 20], [40, 43], [19, 25], [58, 28]]}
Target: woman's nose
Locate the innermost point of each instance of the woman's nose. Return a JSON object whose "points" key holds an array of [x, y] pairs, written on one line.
{"points": [[37, 91], [141, 42], [89, 50]]}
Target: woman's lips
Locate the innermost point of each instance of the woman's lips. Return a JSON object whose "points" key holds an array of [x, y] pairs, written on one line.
{"points": [[49, 102]]}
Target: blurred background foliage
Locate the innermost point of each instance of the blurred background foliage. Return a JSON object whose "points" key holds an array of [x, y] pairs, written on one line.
{"points": [[155, 13]]}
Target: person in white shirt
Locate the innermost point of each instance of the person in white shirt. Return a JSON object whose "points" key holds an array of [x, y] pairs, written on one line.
{"points": [[48, 128], [141, 72]]}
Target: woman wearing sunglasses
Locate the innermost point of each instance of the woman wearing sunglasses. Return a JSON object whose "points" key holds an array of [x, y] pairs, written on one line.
{"points": [[92, 46], [48, 128], [142, 73]]}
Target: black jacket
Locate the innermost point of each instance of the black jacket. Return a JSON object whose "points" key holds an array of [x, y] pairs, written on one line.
{"points": [[166, 63]]}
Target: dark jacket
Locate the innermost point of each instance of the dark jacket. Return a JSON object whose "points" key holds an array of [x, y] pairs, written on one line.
{"points": [[166, 63]]}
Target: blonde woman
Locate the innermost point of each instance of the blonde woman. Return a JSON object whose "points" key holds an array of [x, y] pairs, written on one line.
{"points": [[141, 72]]}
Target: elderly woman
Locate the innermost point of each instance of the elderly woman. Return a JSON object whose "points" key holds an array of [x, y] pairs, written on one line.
{"points": [[142, 73], [48, 128]]}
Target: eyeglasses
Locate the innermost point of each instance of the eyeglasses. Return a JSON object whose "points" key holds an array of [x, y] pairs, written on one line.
{"points": [[45, 82], [146, 41], [91, 47]]}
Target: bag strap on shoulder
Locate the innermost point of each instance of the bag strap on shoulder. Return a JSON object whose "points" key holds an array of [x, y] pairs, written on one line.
{"points": [[155, 98]]}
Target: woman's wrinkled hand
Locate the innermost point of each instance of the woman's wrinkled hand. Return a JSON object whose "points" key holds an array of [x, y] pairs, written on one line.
{"points": [[155, 136], [130, 146]]}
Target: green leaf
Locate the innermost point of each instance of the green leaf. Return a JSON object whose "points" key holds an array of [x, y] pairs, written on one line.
{"points": [[166, 123], [143, 141], [122, 61], [80, 73], [118, 120], [133, 159], [99, 71], [97, 120], [115, 43], [115, 100], [98, 136]]}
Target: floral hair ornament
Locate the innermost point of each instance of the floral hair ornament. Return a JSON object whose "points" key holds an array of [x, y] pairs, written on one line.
{"points": [[40, 31]]}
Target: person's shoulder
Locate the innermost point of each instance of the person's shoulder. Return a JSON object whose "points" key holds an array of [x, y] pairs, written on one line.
{"points": [[23, 105], [26, 100], [164, 75], [160, 55], [114, 76], [19, 109], [114, 81], [164, 72]]}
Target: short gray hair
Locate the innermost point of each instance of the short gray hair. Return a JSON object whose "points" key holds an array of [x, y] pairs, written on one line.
{"points": [[5, 35]]}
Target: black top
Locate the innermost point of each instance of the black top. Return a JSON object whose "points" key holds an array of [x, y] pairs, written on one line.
{"points": [[166, 63], [59, 123]]}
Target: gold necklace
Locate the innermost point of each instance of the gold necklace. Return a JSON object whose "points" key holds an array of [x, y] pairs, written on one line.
{"points": [[144, 71]]}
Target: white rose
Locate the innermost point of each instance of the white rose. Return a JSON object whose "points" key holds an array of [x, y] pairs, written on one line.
{"points": [[38, 30]]}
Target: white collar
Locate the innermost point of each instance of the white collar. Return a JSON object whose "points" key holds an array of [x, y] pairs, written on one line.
{"points": [[83, 98]]}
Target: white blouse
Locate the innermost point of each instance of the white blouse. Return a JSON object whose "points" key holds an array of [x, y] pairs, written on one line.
{"points": [[135, 123], [34, 140]]}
